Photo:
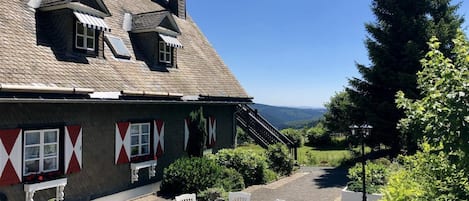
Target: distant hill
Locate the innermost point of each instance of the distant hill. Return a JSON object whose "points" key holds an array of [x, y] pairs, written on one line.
{"points": [[284, 117]]}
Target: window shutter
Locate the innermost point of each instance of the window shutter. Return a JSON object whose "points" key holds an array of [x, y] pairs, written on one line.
{"points": [[73, 149], [11, 151], [158, 143], [122, 143], [212, 131], [186, 133]]}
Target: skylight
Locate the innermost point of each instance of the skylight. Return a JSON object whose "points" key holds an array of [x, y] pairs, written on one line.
{"points": [[117, 47]]}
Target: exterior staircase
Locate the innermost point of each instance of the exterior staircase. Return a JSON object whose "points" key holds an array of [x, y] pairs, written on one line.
{"points": [[263, 133]]}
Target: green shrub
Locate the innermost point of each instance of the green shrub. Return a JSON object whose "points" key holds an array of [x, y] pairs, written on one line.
{"points": [[231, 180], [270, 176], [251, 165], [296, 135], [428, 175], [280, 160], [211, 194], [376, 176], [189, 175]]}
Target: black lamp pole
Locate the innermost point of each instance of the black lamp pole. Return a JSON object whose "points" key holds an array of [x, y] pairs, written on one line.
{"points": [[364, 131]]}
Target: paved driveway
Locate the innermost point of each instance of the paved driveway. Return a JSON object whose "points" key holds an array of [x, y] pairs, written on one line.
{"points": [[308, 184]]}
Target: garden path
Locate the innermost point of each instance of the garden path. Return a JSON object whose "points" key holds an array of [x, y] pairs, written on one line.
{"points": [[308, 184]]}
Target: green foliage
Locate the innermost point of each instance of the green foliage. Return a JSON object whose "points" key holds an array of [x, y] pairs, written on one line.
{"points": [[188, 175], [212, 194], [296, 135], [439, 119], [251, 165], [317, 136], [396, 43], [242, 137], [270, 176], [315, 157], [231, 180], [442, 115], [339, 113], [376, 174], [279, 159], [428, 175], [197, 133]]}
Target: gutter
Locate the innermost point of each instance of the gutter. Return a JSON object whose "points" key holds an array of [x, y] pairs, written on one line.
{"points": [[44, 89], [113, 101]]}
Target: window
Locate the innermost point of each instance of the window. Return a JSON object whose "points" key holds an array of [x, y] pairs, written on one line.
{"points": [[41, 151], [117, 47], [165, 52], [139, 139], [85, 37]]}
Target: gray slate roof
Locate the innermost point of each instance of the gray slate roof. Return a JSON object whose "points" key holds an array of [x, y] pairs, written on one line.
{"points": [[24, 62]]}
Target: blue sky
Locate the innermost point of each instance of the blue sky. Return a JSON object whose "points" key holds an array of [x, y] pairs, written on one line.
{"points": [[288, 53]]}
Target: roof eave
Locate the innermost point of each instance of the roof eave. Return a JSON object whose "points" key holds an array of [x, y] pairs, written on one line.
{"points": [[76, 6]]}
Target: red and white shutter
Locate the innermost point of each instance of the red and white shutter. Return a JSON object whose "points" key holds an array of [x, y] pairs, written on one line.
{"points": [[212, 131], [122, 142], [186, 133], [11, 151], [73, 149], [158, 140]]}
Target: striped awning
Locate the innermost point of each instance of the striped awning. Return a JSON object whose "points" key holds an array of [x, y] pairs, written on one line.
{"points": [[91, 21], [171, 41]]}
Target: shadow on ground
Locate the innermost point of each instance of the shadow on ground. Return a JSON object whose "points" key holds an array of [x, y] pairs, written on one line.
{"points": [[332, 178]]}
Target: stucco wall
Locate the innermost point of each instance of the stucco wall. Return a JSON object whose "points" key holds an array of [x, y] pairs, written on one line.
{"points": [[99, 175]]}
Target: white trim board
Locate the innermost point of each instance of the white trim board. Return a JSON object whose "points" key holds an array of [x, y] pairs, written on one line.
{"points": [[132, 193]]}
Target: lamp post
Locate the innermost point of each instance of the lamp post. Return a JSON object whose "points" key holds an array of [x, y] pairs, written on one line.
{"points": [[364, 131]]}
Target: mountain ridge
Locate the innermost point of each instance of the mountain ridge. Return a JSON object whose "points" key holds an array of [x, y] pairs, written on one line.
{"points": [[286, 116]]}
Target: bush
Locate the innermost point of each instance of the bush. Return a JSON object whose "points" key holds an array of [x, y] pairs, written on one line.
{"points": [[189, 175], [212, 194], [280, 160], [270, 175], [252, 166], [376, 176], [428, 176], [296, 135], [231, 180]]}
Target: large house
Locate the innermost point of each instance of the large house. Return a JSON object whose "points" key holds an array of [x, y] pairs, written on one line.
{"points": [[95, 95]]}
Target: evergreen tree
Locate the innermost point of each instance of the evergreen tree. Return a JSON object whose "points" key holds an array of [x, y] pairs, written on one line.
{"points": [[396, 43]]}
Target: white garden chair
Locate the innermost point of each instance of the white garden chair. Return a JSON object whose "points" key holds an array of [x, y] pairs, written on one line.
{"points": [[186, 197], [239, 196]]}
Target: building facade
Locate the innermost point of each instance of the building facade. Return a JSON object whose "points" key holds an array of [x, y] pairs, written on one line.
{"points": [[95, 95]]}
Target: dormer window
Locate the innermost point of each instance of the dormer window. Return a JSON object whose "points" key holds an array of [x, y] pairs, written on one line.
{"points": [[157, 34], [85, 37], [165, 53]]}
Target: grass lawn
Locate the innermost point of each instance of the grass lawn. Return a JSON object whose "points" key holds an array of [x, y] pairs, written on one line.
{"points": [[311, 156]]}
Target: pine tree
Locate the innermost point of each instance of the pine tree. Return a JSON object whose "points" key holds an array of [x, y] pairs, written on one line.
{"points": [[396, 43]]}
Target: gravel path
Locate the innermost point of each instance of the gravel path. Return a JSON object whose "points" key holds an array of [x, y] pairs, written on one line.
{"points": [[308, 184]]}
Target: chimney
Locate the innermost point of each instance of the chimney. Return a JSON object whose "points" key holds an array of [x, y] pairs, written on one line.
{"points": [[178, 7]]}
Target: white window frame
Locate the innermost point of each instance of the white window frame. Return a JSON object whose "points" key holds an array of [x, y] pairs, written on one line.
{"points": [[41, 144], [85, 37], [165, 53], [140, 143]]}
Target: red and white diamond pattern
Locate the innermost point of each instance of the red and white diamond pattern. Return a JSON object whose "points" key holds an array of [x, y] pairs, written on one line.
{"points": [[122, 143], [212, 131], [159, 138], [73, 147], [10, 156]]}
